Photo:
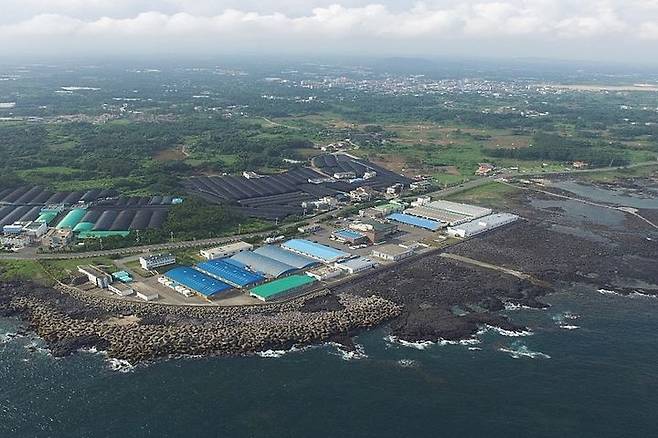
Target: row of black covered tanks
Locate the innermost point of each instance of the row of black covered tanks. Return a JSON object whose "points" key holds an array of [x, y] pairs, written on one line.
{"points": [[280, 195], [106, 210], [38, 195]]}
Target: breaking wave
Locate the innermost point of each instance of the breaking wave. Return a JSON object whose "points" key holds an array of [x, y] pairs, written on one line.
{"points": [[120, 365], [359, 351], [563, 319], [504, 332], [424, 345], [519, 350], [273, 354], [407, 363]]}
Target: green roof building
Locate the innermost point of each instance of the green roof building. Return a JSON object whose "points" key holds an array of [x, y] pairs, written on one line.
{"points": [[277, 288]]}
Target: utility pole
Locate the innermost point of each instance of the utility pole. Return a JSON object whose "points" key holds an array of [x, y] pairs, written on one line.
{"points": [[171, 237]]}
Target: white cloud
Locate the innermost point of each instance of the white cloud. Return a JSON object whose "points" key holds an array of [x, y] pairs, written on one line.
{"points": [[356, 23]]}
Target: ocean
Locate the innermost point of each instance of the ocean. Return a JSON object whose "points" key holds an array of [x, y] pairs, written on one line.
{"points": [[589, 369]]}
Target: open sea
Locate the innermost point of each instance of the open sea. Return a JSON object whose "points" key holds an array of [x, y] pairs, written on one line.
{"points": [[589, 369]]}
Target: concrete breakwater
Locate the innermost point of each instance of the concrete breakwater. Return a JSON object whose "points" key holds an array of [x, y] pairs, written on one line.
{"points": [[68, 321]]}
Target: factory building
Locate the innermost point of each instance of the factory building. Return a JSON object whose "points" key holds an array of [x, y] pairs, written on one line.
{"points": [[229, 273], [96, 276], [156, 261], [146, 295], [57, 239], [392, 252], [121, 289], [356, 265], [375, 231], [452, 213], [284, 256], [316, 251], [309, 229], [324, 273], [224, 251], [281, 287], [482, 225], [262, 264], [197, 281], [415, 221], [350, 236]]}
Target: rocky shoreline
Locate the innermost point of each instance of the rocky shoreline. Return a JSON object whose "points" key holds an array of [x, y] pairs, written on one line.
{"points": [[70, 321]]}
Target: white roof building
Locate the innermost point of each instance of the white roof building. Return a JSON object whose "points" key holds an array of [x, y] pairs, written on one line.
{"points": [[224, 251], [482, 225]]}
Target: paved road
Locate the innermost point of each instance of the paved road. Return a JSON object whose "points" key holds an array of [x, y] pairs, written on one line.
{"points": [[127, 251]]}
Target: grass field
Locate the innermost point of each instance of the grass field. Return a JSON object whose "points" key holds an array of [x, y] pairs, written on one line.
{"points": [[493, 194]]}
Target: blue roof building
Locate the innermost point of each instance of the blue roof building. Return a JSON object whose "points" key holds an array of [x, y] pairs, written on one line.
{"points": [[315, 251], [415, 221], [229, 273], [197, 281], [288, 257]]}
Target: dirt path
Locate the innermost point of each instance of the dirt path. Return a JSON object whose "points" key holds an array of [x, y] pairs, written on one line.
{"points": [[512, 272]]}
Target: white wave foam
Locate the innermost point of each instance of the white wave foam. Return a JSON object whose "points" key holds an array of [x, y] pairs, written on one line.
{"points": [[569, 327], [424, 345], [420, 345], [608, 292], [407, 363], [515, 306], [120, 365], [359, 351], [503, 332], [518, 351], [273, 354], [8, 337]]}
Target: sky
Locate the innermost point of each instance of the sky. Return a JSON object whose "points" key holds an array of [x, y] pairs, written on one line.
{"points": [[623, 31]]}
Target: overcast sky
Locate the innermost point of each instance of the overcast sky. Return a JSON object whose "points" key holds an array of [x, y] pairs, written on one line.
{"points": [[612, 30]]}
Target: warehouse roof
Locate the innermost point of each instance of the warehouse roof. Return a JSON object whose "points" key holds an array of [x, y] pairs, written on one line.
{"points": [[197, 281], [456, 207], [486, 223], [315, 250], [283, 255], [415, 221], [260, 263], [357, 264], [277, 287], [348, 234], [229, 273]]}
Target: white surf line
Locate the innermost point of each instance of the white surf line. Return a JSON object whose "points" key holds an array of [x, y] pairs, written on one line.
{"points": [[628, 210]]}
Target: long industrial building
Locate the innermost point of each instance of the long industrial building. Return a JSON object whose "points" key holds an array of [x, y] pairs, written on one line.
{"points": [[482, 225], [415, 221], [263, 264], [317, 251], [229, 273], [224, 251], [277, 288], [451, 213], [288, 257], [197, 281]]}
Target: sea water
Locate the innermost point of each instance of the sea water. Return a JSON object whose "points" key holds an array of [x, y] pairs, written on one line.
{"points": [[587, 369]]}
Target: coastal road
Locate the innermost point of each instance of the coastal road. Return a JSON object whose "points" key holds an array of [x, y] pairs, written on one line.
{"points": [[126, 251]]}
